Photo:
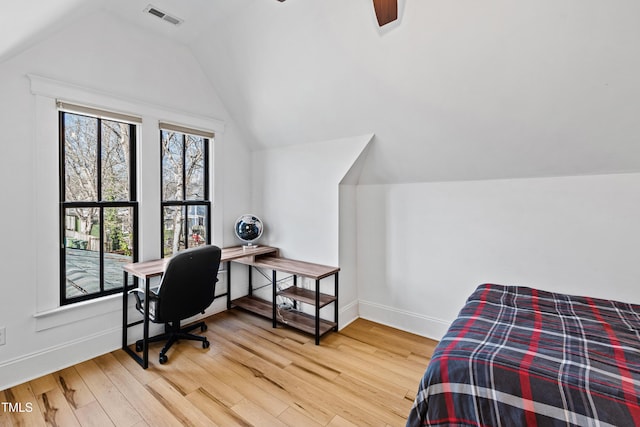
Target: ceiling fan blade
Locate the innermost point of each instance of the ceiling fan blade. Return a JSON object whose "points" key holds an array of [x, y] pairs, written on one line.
{"points": [[386, 11]]}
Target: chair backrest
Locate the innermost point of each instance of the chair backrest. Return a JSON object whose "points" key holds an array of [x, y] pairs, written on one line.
{"points": [[188, 284]]}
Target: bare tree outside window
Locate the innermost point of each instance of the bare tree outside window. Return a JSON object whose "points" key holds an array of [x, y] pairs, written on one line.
{"points": [[98, 206], [185, 199]]}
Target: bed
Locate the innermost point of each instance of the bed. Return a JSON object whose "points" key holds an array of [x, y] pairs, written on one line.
{"points": [[517, 356]]}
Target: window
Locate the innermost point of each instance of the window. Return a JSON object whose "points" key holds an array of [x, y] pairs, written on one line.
{"points": [[98, 208], [186, 219]]}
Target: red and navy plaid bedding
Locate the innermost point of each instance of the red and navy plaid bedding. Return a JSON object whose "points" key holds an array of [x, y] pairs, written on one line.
{"points": [[518, 356]]}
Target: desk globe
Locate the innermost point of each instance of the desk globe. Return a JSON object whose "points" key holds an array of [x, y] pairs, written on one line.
{"points": [[248, 228]]}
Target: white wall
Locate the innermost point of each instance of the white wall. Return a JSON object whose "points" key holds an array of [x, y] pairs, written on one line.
{"points": [[298, 196], [459, 90], [423, 248], [122, 68]]}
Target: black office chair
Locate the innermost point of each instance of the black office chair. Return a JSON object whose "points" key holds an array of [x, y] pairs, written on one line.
{"points": [[186, 289]]}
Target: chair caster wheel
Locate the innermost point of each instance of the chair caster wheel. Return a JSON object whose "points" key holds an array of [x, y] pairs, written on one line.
{"points": [[203, 328], [138, 346], [163, 359], [205, 344]]}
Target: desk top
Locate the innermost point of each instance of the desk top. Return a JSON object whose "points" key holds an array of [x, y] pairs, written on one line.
{"points": [[292, 266], [153, 268]]}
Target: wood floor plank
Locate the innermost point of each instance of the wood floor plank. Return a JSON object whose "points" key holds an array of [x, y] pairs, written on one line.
{"points": [[56, 409], [223, 338], [289, 393], [358, 407], [385, 336], [114, 403], [347, 363], [238, 319], [255, 415], [28, 413], [74, 389], [406, 364], [144, 376], [216, 410], [390, 372], [43, 384], [223, 372], [341, 362], [4, 415], [92, 415], [398, 405], [249, 345], [294, 418], [301, 360], [338, 421], [336, 340], [257, 325], [313, 393], [149, 408], [253, 374], [181, 407], [188, 376]]}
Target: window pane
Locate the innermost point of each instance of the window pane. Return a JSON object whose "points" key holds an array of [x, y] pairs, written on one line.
{"points": [[172, 166], [98, 170], [194, 162], [118, 245], [80, 157], [173, 229], [115, 161], [82, 251], [197, 225]]}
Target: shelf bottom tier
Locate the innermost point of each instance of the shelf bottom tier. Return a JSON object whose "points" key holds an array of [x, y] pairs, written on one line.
{"points": [[295, 319]]}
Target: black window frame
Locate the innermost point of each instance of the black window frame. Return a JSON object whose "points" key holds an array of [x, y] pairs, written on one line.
{"points": [[99, 204], [184, 203]]}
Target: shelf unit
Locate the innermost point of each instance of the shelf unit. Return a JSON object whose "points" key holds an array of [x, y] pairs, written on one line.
{"points": [[295, 318]]}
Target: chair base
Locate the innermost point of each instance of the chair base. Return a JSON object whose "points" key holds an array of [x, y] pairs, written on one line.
{"points": [[172, 334]]}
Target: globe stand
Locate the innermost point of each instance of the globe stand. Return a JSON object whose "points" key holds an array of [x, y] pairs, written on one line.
{"points": [[248, 228]]}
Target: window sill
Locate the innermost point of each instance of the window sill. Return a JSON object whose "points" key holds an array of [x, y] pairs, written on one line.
{"points": [[76, 312]]}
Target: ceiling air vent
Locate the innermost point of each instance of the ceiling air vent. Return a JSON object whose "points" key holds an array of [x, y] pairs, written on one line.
{"points": [[162, 15]]}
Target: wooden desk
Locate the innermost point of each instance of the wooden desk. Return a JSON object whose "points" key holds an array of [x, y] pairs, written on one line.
{"points": [[294, 318], [147, 270]]}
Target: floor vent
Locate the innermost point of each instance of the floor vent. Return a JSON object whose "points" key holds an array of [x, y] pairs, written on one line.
{"points": [[162, 15]]}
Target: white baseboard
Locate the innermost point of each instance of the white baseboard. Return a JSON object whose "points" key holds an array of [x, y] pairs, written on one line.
{"points": [[348, 314], [407, 321], [42, 362], [52, 359]]}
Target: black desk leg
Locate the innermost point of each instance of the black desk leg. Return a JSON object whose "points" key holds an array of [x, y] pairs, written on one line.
{"points": [[317, 311], [335, 303], [228, 285], [145, 327], [144, 362], [295, 283], [275, 294], [125, 321]]}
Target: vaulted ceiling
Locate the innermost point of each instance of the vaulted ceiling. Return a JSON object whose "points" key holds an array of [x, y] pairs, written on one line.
{"points": [[452, 90]]}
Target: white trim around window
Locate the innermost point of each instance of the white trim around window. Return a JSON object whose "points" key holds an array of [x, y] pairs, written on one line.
{"points": [[46, 92]]}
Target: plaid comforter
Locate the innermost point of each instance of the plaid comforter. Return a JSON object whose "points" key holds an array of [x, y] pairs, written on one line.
{"points": [[517, 356]]}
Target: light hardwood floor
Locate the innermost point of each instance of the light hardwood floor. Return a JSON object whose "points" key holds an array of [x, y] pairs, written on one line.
{"points": [[367, 374]]}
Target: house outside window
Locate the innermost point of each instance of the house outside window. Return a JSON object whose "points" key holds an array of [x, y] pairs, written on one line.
{"points": [[186, 206], [98, 208]]}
